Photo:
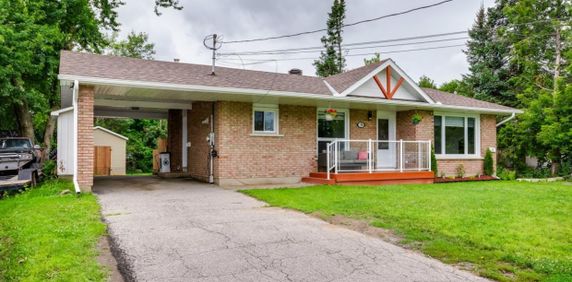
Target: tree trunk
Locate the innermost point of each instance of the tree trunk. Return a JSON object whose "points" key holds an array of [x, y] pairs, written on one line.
{"points": [[48, 135], [24, 120]]}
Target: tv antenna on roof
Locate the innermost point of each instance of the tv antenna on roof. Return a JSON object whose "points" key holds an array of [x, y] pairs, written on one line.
{"points": [[213, 42]]}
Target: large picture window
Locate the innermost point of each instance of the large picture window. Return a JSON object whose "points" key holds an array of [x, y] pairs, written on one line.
{"points": [[456, 135]]}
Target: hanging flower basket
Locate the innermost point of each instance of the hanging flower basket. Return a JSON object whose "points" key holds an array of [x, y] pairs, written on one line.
{"points": [[331, 114], [416, 118]]}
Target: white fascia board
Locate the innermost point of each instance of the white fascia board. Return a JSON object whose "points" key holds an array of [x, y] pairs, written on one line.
{"points": [[334, 92], [142, 104], [399, 71], [111, 132], [61, 111], [259, 92]]}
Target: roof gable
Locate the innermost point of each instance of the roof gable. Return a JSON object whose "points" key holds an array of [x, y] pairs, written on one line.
{"points": [[102, 129], [371, 81]]}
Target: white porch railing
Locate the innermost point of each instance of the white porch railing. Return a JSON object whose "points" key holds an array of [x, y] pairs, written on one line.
{"points": [[377, 155]]}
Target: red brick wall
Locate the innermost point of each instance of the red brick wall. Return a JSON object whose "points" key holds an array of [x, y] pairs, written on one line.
{"points": [[474, 166], [368, 132], [174, 139], [242, 155], [85, 141], [406, 130], [198, 132]]}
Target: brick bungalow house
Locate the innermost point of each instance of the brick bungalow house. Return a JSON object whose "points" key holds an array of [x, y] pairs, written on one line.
{"points": [[236, 126]]}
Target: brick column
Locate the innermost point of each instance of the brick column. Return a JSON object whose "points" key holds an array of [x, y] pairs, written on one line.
{"points": [[174, 139], [85, 143]]}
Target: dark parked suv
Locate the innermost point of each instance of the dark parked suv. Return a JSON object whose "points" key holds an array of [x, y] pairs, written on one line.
{"points": [[19, 162]]}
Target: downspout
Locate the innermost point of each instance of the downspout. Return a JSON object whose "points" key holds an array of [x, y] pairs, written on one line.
{"points": [[212, 152], [507, 119], [75, 135]]}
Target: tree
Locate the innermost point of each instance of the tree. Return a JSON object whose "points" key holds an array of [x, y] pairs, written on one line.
{"points": [[487, 53], [426, 82], [32, 33], [332, 60], [456, 86], [375, 59], [135, 46]]}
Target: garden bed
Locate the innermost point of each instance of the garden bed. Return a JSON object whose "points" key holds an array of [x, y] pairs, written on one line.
{"points": [[464, 179]]}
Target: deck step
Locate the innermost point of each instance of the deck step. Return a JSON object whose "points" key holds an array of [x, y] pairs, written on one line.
{"points": [[318, 180]]}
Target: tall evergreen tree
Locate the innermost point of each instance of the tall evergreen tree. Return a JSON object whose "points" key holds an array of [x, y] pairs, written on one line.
{"points": [[487, 55], [332, 59]]}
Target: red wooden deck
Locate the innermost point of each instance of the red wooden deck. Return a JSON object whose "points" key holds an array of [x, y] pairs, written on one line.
{"points": [[374, 178]]}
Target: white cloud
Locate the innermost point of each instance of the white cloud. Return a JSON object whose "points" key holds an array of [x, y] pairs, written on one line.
{"points": [[179, 34]]}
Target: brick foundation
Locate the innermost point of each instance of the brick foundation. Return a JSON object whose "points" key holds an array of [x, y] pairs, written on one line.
{"points": [[85, 143]]}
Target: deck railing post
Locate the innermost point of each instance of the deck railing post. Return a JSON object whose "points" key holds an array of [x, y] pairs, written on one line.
{"points": [[328, 161], [401, 155], [369, 154], [419, 154], [337, 145], [429, 155]]}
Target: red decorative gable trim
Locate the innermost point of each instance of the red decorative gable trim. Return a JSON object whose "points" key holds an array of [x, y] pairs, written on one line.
{"points": [[389, 92]]}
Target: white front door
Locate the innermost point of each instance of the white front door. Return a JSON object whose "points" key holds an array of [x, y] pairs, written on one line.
{"points": [[386, 151]]}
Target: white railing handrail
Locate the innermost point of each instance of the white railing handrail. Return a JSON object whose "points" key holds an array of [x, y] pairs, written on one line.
{"points": [[407, 158]]}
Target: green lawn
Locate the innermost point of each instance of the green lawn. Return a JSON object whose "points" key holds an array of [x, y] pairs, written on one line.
{"points": [[505, 230], [48, 236]]}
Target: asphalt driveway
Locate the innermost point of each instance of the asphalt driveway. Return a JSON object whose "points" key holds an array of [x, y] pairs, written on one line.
{"points": [[179, 230]]}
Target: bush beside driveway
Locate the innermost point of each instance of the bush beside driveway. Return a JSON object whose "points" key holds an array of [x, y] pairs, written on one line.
{"points": [[500, 230]]}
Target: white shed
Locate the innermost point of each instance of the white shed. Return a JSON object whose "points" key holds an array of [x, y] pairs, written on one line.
{"points": [[65, 163], [105, 140]]}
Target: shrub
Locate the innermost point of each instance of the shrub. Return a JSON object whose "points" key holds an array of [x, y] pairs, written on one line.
{"points": [[488, 166], [49, 169], [506, 174], [434, 162], [460, 170]]}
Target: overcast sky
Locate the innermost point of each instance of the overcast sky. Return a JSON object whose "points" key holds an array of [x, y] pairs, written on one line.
{"points": [[179, 34]]}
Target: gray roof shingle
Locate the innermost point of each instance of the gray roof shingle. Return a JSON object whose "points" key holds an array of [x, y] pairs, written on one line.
{"points": [[122, 68]]}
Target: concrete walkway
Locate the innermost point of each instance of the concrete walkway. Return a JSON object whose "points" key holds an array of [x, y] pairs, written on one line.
{"points": [[177, 230]]}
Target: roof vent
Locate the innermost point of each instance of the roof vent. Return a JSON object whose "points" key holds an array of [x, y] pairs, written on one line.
{"points": [[295, 71], [176, 60]]}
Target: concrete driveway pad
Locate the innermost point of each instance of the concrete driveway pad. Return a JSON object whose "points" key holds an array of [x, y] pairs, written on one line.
{"points": [[179, 230]]}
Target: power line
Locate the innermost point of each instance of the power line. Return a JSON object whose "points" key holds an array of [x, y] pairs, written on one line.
{"points": [[409, 38], [258, 61], [345, 25], [288, 52]]}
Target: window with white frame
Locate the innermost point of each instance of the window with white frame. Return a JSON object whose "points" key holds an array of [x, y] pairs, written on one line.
{"points": [[265, 119], [456, 135]]}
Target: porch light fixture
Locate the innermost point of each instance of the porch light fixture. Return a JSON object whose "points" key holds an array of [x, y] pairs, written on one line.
{"points": [[331, 114], [369, 115]]}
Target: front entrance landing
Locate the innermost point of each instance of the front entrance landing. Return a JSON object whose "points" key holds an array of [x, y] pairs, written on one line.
{"points": [[374, 178], [178, 230]]}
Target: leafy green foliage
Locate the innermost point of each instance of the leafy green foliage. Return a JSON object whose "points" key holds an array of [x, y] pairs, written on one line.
{"points": [[47, 236], [375, 59], [49, 169], [460, 170], [426, 82], [506, 174], [483, 224], [488, 165], [135, 46], [332, 60], [434, 167], [142, 136]]}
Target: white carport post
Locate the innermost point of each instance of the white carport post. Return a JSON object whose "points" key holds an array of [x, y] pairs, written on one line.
{"points": [[75, 134]]}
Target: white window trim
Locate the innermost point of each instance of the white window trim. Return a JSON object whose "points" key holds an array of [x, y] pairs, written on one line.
{"points": [[266, 108], [477, 154], [346, 131]]}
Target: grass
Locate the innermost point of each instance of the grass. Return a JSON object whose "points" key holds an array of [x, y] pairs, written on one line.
{"points": [[504, 230], [48, 236]]}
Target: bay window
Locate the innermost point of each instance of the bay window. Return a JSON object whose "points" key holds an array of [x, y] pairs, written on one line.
{"points": [[456, 135]]}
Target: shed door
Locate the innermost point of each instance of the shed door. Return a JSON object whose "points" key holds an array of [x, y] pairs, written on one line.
{"points": [[102, 161]]}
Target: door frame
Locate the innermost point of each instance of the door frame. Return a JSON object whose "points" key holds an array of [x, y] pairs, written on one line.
{"points": [[392, 117]]}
